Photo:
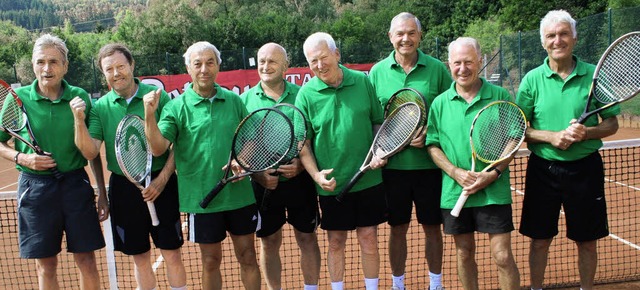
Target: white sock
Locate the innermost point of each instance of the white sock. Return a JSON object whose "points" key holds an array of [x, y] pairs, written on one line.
{"points": [[435, 280], [310, 287], [179, 288], [371, 283], [540, 288], [398, 281], [337, 285]]}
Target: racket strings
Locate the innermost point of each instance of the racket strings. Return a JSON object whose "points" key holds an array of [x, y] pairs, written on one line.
{"points": [[398, 128], [262, 140], [12, 117], [617, 79], [407, 96], [498, 131], [133, 152]]}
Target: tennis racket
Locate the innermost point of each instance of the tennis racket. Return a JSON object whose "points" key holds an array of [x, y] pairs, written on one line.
{"points": [[14, 120], [406, 95], [394, 134], [261, 141], [299, 123], [615, 80], [497, 132], [134, 156]]}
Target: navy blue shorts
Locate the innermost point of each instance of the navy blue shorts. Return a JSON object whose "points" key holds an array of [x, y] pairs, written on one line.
{"points": [[294, 201], [209, 228], [47, 207], [489, 219], [362, 208], [131, 222], [405, 188], [577, 187]]}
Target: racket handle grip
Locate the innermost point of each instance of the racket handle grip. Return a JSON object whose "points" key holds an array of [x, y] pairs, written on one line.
{"points": [[459, 204], [56, 173], [212, 194], [349, 185], [152, 213]]}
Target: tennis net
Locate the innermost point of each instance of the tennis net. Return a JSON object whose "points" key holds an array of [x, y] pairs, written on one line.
{"points": [[619, 253]]}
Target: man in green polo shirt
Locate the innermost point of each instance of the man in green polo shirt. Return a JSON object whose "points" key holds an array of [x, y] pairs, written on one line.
{"points": [[488, 209], [47, 206], [342, 111], [410, 176], [200, 124], [565, 168], [293, 197], [130, 220]]}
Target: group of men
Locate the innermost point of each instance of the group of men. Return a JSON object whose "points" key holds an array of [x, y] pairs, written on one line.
{"points": [[192, 134]]}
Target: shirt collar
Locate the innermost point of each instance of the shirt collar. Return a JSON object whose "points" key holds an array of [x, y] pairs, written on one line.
{"points": [[66, 95], [192, 98], [579, 70]]}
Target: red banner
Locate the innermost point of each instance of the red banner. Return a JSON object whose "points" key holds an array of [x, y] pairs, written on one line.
{"points": [[236, 80]]}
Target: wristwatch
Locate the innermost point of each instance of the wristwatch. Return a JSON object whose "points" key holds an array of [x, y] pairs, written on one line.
{"points": [[496, 170]]}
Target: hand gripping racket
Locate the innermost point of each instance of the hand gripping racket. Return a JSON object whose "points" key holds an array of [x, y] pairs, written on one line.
{"points": [[299, 123], [394, 134], [261, 141], [406, 95], [615, 79], [14, 120], [134, 156], [496, 134]]}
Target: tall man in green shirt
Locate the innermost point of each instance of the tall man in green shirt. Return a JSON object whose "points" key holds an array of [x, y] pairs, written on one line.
{"points": [[343, 114], [411, 176], [200, 124], [565, 168], [47, 207], [488, 209], [293, 196], [130, 220]]}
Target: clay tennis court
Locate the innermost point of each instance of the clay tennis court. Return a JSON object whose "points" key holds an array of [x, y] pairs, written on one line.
{"points": [[619, 253]]}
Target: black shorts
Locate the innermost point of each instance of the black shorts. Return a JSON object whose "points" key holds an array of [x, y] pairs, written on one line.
{"points": [[577, 186], [362, 208], [406, 187], [294, 201], [210, 228], [131, 222], [490, 219], [47, 207]]}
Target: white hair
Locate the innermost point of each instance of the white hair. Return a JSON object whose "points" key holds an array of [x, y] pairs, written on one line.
{"points": [[50, 41], [465, 41], [402, 17], [199, 47], [317, 38], [554, 17]]}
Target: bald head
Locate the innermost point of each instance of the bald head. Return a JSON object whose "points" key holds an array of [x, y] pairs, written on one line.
{"points": [[272, 63]]}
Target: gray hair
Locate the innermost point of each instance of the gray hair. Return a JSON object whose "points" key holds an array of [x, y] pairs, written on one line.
{"points": [[402, 17], [317, 38], [557, 16], [465, 41], [199, 47], [50, 41]]}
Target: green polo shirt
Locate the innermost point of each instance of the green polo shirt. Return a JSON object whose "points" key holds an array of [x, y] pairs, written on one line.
{"points": [[255, 98], [550, 103], [430, 77], [52, 125], [341, 126], [450, 119], [107, 113], [202, 131]]}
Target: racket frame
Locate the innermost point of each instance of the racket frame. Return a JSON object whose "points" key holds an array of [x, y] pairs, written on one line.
{"points": [[233, 156], [299, 136], [366, 165], [419, 100], [33, 144], [594, 83], [492, 163], [146, 176]]}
